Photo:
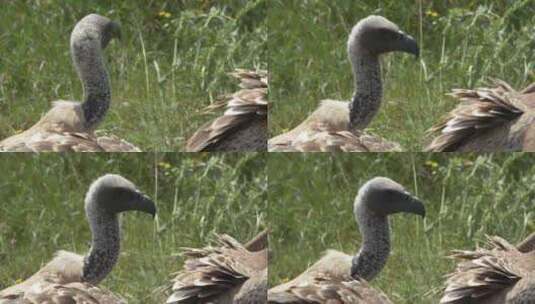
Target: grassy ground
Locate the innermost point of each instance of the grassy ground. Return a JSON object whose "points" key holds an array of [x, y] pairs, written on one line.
{"points": [[463, 43], [171, 63], [466, 197], [42, 211]]}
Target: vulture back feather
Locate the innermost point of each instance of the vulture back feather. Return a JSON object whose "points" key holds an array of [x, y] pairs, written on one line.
{"points": [[225, 274], [243, 126], [326, 289], [499, 275], [488, 120]]}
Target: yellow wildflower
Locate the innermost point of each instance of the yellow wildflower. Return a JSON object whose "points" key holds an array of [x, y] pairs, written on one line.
{"points": [[164, 165], [164, 14], [431, 164], [431, 13]]}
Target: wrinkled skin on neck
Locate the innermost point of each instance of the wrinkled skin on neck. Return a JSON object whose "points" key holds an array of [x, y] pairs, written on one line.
{"points": [[105, 247], [366, 101], [88, 39], [375, 247]]}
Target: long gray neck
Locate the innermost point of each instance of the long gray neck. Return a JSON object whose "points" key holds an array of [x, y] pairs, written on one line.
{"points": [[375, 248], [105, 245], [89, 63], [369, 89]]}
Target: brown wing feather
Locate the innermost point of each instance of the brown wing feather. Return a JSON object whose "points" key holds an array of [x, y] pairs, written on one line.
{"points": [[481, 110], [214, 273], [72, 293], [324, 289], [67, 142], [58, 282], [482, 273], [320, 140], [326, 130], [62, 129], [112, 143], [244, 107]]}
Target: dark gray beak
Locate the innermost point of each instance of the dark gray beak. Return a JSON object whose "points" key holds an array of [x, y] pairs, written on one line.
{"points": [[145, 204], [409, 45], [416, 206]]}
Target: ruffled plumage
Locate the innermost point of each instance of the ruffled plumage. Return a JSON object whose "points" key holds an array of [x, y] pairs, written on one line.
{"points": [[227, 273], [243, 126], [488, 119], [500, 274]]}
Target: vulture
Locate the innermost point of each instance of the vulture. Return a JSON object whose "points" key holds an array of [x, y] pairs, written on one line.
{"points": [[339, 125], [498, 274], [69, 125], [72, 278], [340, 278], [488, 120], [243, 126], [229, 273]]}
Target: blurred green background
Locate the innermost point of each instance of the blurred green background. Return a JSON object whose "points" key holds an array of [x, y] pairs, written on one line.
{"points": [[171, 63], [196, 195], [463, 44], [466, 196]]}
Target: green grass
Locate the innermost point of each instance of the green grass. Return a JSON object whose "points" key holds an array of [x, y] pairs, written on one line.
{"points": [[196, 195], [466, 196], [463, 43], [171, 62]]}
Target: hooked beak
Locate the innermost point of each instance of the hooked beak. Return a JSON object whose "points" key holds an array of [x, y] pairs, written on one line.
{"points": [[409, 45], [145, 204], [416, 206]]}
